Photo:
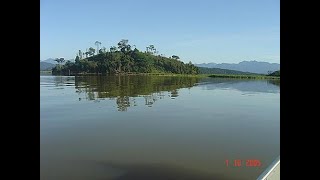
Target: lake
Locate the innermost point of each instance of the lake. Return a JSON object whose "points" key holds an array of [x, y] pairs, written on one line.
{"points": [[157, 127]]}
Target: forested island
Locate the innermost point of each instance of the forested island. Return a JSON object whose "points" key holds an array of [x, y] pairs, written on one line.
{"points": [[125, 59]]}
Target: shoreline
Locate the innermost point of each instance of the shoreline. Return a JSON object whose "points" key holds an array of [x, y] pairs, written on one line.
{"points": [[231, 76]]}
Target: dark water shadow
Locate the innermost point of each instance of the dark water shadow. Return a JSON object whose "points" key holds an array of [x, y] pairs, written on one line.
{"points": [[158, 171]]}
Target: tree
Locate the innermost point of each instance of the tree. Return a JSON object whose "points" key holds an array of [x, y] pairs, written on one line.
{"points": [[117, 59], [175, 57], [77, 59], [91, 51], [86, 53], [103, 50], [151, 49], [97, 43], [124, 46], [59, 61], [113, 49], [80, 54]]}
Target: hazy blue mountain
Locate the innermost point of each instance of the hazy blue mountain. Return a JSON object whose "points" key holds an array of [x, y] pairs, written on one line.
{"points": [[204, 70], [46, 66], [245, 66], [207, 65], [52, 60]]}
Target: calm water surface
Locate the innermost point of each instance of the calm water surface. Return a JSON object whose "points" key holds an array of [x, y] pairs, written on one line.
{"points": [[145, 127]]}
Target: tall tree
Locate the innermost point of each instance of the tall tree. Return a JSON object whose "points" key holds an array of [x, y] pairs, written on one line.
{"points": [[80, 54], [59, 61], [76, 60], [124, 46], [103, 49], [151, 48], [86, 53], [97, 43]]}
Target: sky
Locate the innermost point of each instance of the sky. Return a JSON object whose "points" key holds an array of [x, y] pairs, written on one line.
{"points": [[200, 31]]}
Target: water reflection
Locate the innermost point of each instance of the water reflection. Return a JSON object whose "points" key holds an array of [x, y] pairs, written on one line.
{"points": [[125, 89], [194, 125], [157, 171], [245, 86]]}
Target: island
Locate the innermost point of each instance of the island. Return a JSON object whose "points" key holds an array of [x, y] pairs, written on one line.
{"points": [[126, 59], [123, 59]]}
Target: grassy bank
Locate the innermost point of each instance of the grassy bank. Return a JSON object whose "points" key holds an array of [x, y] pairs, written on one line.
{"points": [[46, 72], [138, 74]]}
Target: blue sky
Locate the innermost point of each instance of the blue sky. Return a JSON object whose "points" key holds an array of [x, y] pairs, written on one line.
{"points": [[199, 31]]}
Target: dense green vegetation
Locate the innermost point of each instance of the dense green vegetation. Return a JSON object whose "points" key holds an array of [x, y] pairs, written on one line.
{"points": [[204, 70], [275, 73], [123, 59]]}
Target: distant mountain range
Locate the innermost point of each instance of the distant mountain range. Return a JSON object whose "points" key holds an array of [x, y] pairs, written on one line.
{"points": [[204, 70], [46, 66], [245, 66], [52, 60], [49, 63]]}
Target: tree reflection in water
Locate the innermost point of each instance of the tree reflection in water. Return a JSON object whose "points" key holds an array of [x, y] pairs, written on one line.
{"points": [[125, 89]]}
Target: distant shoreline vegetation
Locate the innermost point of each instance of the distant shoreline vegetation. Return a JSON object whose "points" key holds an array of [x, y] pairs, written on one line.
{"points": [[122, 59], [275, 73], [242, 76]]}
